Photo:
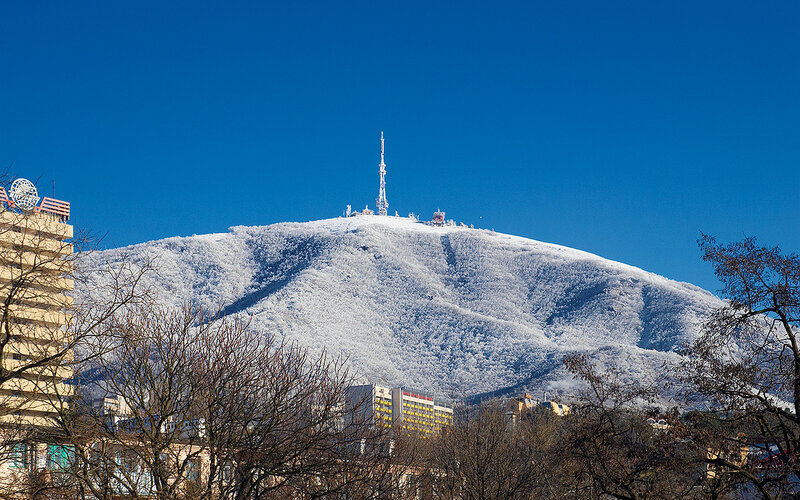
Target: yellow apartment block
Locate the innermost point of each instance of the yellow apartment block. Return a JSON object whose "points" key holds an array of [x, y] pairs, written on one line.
{"points": [[34, 305], [417, 412], [402, 409]]}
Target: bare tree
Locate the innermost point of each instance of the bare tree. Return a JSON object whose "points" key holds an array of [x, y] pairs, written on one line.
{"points": [[481, 456], [220, 410], [743, 381], [152, 369], [277, 423], [746, 366], [615, 452]]}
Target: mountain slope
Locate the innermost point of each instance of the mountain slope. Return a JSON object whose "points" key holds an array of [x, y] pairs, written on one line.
{"points": [[441, 308]]}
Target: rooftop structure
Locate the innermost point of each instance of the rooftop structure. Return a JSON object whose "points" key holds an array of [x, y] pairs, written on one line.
{"points": [[23, 196]]}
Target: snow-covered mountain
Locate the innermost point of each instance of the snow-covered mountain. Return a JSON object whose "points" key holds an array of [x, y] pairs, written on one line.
{"points": [[449, 309]]}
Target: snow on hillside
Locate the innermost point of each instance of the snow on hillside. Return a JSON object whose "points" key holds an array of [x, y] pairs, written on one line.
{"points": [[449, 309]]}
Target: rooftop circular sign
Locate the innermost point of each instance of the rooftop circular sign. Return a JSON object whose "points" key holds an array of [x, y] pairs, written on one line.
{"points": [[23, 193]]}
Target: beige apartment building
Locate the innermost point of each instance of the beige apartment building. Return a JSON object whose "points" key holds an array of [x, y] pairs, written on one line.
{"points": [[34, 305]]}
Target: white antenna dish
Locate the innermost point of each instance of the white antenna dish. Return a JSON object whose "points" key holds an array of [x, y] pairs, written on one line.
{"points": [[24, 194]]}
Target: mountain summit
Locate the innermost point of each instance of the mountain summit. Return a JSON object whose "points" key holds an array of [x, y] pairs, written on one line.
{"points": [[448, 309]]}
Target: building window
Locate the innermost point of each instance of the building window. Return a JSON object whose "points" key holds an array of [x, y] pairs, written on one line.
{"points": [[227, 473], [193, 470], [128, 463], [59, 457], [19, 456]]}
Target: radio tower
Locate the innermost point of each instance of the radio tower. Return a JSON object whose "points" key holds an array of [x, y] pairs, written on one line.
{"points": [[382, 203]]}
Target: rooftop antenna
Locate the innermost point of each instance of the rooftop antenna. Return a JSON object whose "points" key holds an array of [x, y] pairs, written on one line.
{"points": [[383, 205]]}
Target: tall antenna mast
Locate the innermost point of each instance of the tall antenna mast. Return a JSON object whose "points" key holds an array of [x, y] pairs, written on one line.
{"points": [[383, 205]]}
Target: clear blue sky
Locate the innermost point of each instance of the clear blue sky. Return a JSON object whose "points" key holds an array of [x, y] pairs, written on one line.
{"points": [[623, 129]]}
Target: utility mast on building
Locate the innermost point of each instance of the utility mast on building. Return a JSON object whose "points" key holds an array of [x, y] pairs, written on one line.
{"points": [[382, 204]]}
